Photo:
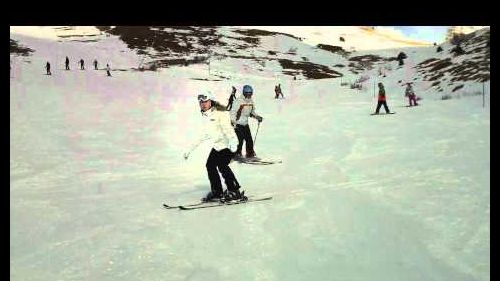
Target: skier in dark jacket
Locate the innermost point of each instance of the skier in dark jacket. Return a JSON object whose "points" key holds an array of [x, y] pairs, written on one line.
{"points": [[67, 63], [277, 91], [82, 64], [95, 64], [47, 67], [108, 70], [381, 99], [231, 99]]}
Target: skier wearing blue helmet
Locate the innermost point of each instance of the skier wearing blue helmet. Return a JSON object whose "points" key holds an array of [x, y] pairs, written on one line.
{"points": [[243, 108]]}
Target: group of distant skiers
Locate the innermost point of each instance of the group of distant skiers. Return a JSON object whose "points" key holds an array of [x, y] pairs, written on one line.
{"points": [[82, 66]]}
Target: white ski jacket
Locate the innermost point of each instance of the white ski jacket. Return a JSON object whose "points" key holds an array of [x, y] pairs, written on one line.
{"points": [[218, 130], [242, 109]]}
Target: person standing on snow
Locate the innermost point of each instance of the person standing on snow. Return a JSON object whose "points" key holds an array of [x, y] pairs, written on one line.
{"points": [[411, 94], [47, 67], [231, 99], [108, 69], [243, 108], [218, 129], [82, 64], [67, 63], [279, 92], [381, 99], [95, 64]]}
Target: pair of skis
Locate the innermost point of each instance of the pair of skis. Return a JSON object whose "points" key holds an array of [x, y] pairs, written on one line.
{"points": [[257, 161], [201, 205]]}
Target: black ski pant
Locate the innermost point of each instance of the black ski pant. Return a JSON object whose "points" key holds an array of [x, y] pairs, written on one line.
{"points": [[220, 160], [243, 133], [379, 104]]}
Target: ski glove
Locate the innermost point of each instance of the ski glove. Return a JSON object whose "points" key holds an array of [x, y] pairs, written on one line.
{"points": [[259, 118]]}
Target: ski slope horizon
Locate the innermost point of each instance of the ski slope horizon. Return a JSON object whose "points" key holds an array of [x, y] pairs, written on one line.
{"points": [[361, 38], [357, 197]]}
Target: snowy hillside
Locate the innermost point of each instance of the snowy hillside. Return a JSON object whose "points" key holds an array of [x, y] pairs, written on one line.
{"points": [[270, 53], [357, 197], [348, 37]]}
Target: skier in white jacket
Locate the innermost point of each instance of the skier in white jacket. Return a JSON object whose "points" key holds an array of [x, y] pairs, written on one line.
{"points": [[219, 131], [243, 108]]}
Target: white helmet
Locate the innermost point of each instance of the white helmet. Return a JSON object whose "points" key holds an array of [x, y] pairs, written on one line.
{"points": [[205, 95]]}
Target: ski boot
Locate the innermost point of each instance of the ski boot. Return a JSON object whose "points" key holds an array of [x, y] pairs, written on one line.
{"points": [[234, 196], [251, 157], [212, 197], [237, 157]]}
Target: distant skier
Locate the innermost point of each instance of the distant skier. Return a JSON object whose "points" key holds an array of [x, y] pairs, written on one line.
{"points": [[108, 70], [277, 91], [243, 108], [231, 99], [281, 93], [67, 63], [82, 64], [411, 95], [47, 67], [218, 130], [381, 99], [95, 64]]}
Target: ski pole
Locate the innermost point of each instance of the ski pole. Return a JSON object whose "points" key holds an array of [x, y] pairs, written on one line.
{"points": [[258, 126]]}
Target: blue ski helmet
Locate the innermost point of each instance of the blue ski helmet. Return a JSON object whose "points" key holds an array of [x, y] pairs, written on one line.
{"points": [[247, 90]]}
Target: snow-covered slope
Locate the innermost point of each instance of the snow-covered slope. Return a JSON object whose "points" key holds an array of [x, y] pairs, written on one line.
{"points": [[357, 197], [273, 53]]}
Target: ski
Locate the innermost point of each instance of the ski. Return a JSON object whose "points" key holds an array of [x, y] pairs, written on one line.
{"points": [[383, 113], [166, 206], [260, 162], [189, 205], [257, 161], [220, 204]]}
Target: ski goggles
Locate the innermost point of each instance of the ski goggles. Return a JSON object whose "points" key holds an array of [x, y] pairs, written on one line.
{"points": [[202, 98], [247, 93]]}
